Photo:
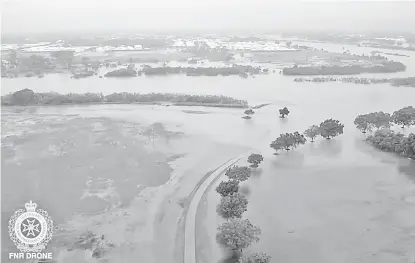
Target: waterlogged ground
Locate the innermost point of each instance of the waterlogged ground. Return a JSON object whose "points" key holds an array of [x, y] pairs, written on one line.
{"points": [[117, 172]]}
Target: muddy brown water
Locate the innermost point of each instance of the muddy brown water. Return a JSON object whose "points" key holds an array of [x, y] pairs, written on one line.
{"points": [[313, 204]]}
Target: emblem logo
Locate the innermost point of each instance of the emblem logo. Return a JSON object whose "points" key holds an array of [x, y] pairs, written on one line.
{"points": [[30, 230]]}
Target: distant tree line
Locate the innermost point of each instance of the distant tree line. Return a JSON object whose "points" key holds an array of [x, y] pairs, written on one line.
{"points": [[384, 67], [28, 97]]}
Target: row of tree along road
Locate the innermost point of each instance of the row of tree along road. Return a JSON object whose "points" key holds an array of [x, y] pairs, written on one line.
{"points": [[237, 233], [383, 138]]}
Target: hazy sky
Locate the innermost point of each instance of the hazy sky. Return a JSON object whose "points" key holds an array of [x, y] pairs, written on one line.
{"points": [[33, 16]]}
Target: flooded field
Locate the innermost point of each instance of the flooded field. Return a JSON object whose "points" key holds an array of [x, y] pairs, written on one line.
{"points": [[331, 201]]}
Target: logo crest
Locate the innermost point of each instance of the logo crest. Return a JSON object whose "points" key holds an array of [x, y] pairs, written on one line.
{"points": [[30, 230]]}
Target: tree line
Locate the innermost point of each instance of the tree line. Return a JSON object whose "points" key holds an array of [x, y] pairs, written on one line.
{"points": [[28, 97], [237, 233], [328, 129]]}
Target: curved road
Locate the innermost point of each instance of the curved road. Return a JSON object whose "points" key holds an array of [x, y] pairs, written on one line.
{"points": [[190, 226]]}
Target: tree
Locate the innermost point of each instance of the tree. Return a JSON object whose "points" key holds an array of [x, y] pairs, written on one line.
{"points": [[277, 145], [23, 97], [255, 159], [312, 132], [404, 116], [380, 119], [237, 234], [232, 206], [257, 257], [229, 187], [284, 112], [366, 122], [331, 128], [288, 141], [249, 112], [363, 124], [239, 173], [298, 139]]}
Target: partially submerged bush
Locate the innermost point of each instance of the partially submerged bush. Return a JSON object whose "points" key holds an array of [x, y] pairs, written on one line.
{"points": [[389, 141]]}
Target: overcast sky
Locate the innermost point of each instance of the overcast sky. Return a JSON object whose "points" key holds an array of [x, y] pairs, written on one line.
{"points": [[42, 16]]}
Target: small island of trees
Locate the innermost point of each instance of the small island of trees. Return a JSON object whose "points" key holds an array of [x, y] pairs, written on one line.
{"points": [[386, 139]]}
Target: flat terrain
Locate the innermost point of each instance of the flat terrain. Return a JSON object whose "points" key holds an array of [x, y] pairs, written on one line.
{"points": [[126, 180], [126, 171]]}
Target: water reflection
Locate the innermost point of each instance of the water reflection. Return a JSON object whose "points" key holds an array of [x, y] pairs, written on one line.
{"points": [[407, 167], [256, 172], [328, 148], [245, 190], [230, 257], [367, 149], [290, 159], [283, 120]]}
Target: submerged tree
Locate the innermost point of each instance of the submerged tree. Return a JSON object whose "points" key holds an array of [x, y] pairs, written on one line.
{"points": [[237, 234], [277, 145], [331, 128], [229, 187], [312, 132], [232, 206], [239, 173], [363, 123], [380, 119], [366, 122], [404, 116], [288, 141], [249, 112], [255, 159], [284, 112]]}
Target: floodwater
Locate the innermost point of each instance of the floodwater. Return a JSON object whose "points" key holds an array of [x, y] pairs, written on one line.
{"points": [[331, 201]]}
